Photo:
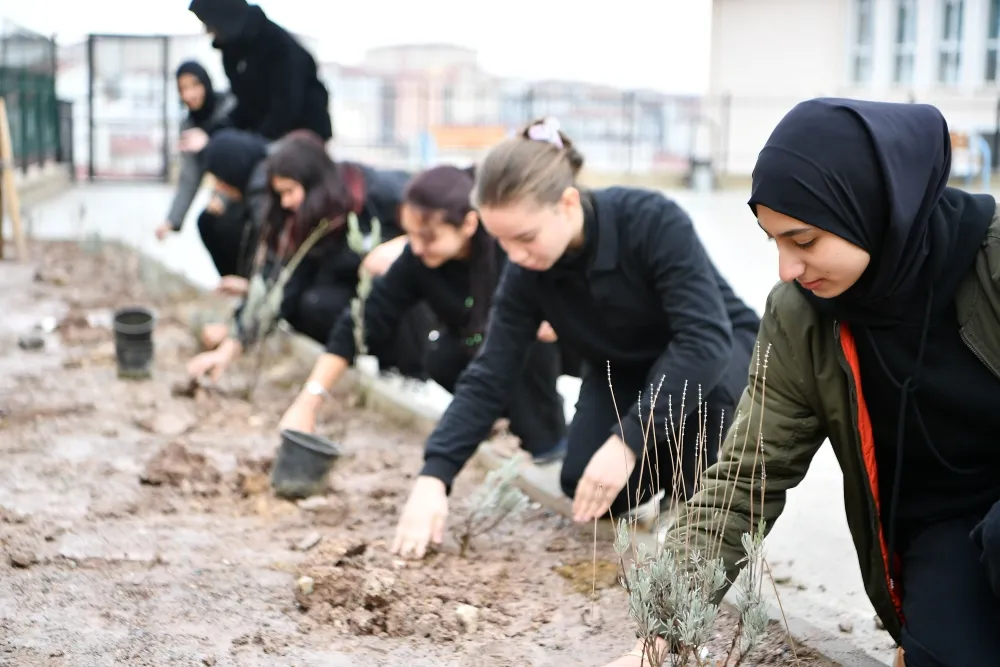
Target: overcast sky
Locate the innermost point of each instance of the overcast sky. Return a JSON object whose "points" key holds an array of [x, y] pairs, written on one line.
{"points": [[661, 44]]}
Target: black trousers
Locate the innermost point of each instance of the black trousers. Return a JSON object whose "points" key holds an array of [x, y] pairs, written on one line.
{"points": [[535, 412], [952, 611], [319, 307], [223, 236], [596, 416]]}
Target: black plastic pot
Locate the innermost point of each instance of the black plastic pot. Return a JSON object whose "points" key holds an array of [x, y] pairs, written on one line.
{"points": [[304, 460], [134, 342]]}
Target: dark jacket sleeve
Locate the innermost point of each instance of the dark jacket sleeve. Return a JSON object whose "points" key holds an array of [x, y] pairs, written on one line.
{"points": [[484, 388], [391, 296], [669, 253], [301, 279]]}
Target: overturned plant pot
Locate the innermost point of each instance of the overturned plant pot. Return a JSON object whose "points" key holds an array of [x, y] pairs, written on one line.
{"points": [[304, 460], [133, 328]]}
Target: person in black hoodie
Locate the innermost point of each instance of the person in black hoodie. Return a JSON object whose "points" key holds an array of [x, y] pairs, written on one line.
{"points": [[305, 187], [230, 225], [622, 278], [452, 264], [207, 111], [273, 77]]}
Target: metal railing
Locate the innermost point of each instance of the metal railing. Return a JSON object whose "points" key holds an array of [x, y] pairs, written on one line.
{"points": [[28, 87]]}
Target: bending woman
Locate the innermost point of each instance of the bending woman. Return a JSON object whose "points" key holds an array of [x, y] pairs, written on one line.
{"points": [[622, 278], [885, 338], [306, 187], [207, 111], [452, 264]]}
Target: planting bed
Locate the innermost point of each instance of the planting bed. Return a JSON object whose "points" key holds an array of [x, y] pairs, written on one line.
{"points": [[137, 526]]}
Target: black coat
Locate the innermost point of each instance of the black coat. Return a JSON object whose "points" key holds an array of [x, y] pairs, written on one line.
{"points": [[273, 77]]}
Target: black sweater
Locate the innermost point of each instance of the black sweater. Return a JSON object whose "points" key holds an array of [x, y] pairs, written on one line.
{"points": [[643, 295], [408, 282]]}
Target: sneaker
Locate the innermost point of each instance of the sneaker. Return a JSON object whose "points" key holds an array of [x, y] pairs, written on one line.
{"points": [[553, 455]]}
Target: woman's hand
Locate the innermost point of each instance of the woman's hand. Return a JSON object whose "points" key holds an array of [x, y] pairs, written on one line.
{"points": [[301, 414], [637, 656], [164, 230], [193, 140], [233, 286], [423, 518], [603, 479], [546, 333], [212, 363], [215, 205]]}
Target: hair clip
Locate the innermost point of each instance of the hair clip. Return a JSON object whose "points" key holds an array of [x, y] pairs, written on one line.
{"points": [[547, 131]]}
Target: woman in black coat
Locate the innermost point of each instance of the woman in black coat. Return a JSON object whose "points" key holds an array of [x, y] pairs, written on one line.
{"points": [[304, 188]]}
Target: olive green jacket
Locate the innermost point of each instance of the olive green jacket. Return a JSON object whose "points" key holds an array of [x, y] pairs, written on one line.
{"points": [[811, 391]]}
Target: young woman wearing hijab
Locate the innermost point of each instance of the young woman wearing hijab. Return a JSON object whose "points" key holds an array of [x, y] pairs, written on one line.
{"points": [[207, 111], [622, 278], [884, 338], [304, 188], [452, 264]]}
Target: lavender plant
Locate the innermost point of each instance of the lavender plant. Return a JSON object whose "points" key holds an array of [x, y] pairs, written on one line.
{"points": [[671, 590], [362, 244], [495, 500]]}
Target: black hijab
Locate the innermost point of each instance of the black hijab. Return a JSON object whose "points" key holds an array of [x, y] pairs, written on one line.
{"points": [[227, 18], [233, 155], [875, 174], [200, 117]]}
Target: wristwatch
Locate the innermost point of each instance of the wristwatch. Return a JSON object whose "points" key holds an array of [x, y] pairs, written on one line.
{"points": [[314, 388]]}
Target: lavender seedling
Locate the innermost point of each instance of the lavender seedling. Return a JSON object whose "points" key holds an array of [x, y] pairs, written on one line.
{"points": [[671, 590], [362, 245], [493, 501]]}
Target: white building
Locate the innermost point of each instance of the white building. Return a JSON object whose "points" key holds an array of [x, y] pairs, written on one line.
{"points": [[767, 55]]}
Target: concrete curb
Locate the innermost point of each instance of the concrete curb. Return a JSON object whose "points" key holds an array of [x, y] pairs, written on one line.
{"points": [[391, 397]]}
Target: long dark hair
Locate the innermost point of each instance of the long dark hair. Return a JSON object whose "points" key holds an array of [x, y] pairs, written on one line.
{"points": [[445, 192], [331, 190]]}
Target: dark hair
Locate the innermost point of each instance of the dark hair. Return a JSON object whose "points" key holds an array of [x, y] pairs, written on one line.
{"points": [[445, 192], [331, 190], [538, 164]]}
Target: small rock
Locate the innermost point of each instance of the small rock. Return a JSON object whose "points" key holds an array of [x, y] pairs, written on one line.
{"points": [[22, 557], [878, 623], [306, 585], [313, 503], [846, 627], [255, 421], [468, 616], [30, 342], [56, 654], [208, 660], [309, 541], [782, 580]]}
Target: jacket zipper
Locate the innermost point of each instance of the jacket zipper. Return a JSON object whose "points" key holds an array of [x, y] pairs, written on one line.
{"points": [[978, 355], [872, 506]]}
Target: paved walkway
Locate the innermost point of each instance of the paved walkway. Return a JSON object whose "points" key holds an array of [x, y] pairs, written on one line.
{"points": [[810, 548]]}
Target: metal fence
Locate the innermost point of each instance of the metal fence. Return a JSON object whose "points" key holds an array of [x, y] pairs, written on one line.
{"points": [[127, 89], [28, 86]]}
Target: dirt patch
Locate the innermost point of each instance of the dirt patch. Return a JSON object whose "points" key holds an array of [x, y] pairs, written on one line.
{"points": [[137, 525]]}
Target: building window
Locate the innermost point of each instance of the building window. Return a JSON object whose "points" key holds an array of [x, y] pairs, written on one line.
{"points": [[993, 41], [861, 57], [950, 51], [906, 41]]}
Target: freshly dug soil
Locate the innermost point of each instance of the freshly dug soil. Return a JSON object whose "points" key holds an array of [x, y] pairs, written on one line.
{"points": [[137, 525]]}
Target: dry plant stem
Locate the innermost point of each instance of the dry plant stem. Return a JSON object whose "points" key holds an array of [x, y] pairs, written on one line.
{"points": [[781, 608]]}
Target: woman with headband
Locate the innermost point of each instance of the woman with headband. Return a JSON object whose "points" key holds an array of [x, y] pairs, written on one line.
{"points": [[884, 339], [622, 278]]}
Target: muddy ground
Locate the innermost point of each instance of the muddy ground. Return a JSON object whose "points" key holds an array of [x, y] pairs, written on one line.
{"points": [[138, 528]]}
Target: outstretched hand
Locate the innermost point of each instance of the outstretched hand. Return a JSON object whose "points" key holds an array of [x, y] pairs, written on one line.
{"points": [[423, 519], [603, 479]]}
